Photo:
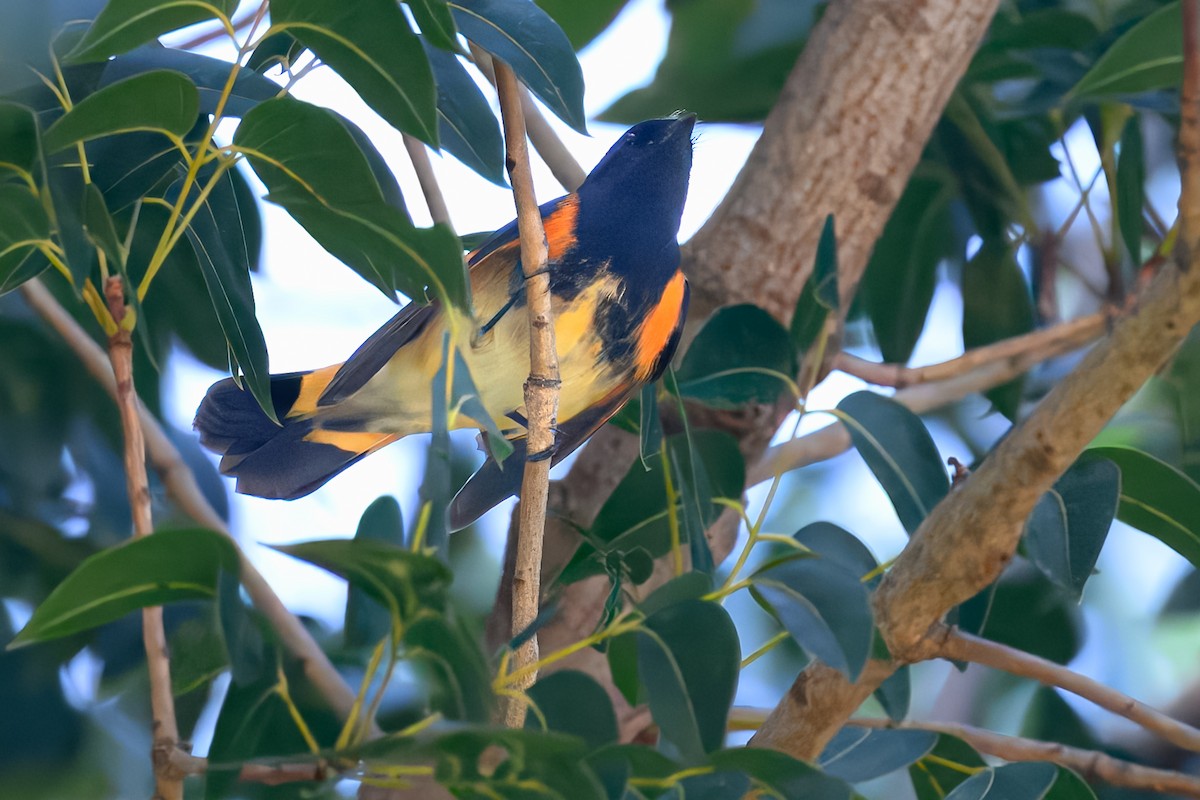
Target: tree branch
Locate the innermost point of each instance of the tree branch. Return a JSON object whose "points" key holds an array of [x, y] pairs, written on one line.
{"points": [[956, 645], [185, 492], [167, 784], [1091, 764], [976, 371], [419, 156], [541, 388]]}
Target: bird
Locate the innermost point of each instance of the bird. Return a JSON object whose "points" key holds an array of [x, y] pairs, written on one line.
{"points": [[619, 301]]}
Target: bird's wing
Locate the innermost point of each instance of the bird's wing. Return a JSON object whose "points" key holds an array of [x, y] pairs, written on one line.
{"points": [[497, 253], [491, 484]]}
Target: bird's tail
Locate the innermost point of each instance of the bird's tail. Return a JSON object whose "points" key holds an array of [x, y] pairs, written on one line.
{"points": [[283, 461]]}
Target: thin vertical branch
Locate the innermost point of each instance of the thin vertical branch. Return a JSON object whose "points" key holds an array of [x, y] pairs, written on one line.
{"points": [[1189, 134], [541, 389], [168, 783], [419, 157]]}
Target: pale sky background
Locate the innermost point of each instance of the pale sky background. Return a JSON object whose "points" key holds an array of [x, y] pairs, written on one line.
{"points": [[315, 312]]}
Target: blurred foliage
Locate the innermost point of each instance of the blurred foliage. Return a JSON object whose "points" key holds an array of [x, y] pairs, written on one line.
{"points": [[169, 208]]}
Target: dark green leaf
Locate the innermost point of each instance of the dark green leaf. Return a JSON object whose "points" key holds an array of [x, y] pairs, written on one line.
{"points": [[436, 23], [695, 500], [617, 764], [465, 398], [435, 489], [1026, 611], [528, 40], [366, 622], [137, 164], [1146, 57], [715, 785], [467, 128], [895, 694], [370, 44], [66, 187], [1185, 597], [622, 663], [953, 762], [650, 430], [820, 294], [573, 703], [838, 546], [996, 305], [210, 75], [98, 225], [168, 566], [741, 355], [862, 754], [278, 49], [900, 452], [823, 606], [18, 139], [690, 680], [225, 265], [326, 183], [242, 639], [1050, 718], [401, 580], [22, 225], [1131, 191], [582, 22], [1069, 786], [781, 773], [162, 100], [1028, 781], [125, 24], [1069, 524], [1158, 499], [899, 281], [688, 586], [460, 668], [197, 653]]}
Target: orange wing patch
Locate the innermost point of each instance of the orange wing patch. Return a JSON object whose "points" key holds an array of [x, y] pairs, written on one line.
{"points": [[658, 326], [560, 227], [312, 386]]}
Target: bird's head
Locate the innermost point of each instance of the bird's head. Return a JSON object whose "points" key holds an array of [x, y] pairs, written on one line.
{"points": [[638, 189]]}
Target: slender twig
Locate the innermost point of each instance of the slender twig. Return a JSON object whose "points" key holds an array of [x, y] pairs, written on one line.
{"points": [[1006, 363], [541, 389], [181, 485], [239, 24], [419, 157], [550, 147], [899, 375], [168, 784], [1189, 132], [960, 646], [1091, 764]]}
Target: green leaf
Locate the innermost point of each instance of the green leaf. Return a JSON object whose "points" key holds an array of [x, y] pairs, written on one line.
{"points": [[22, 225], [996, 306], [366, 622], [573, 703], [18, 139], [1146, 57], [125, 24], [467, 128], [1069, 786], [66, 187], [242, 639], [838, 546], [465, 399], [401, 580], [459, 667], [899, 451], [98, 225], [1068, 526], [326, 183], [741, 355], [635, 515], [650, 430], [715, 785], [210, 76], [1028, 781], [820, 294], [1026, 611], [370, 44], [690, 680], [862, 754], [582, 22], [162, 100], [900, 277], [933, 778], [779, 772], [895, 694], [435, 489], [1131, 187], [436, 22], [824, 607], [165, 567], [278, 49], [528, 40], [1157, 498], [226, 271]]}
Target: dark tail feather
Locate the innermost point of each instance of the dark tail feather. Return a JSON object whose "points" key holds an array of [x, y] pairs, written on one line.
{"points": [[276, 461]]}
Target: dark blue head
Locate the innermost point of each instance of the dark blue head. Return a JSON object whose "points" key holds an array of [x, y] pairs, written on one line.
{"points": [[634, 197]]}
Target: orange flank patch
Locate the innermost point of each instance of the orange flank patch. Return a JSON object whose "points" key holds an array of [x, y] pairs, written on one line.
{"points": [[312, 386], [658, 326], [560, 227], [352, 442]]}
